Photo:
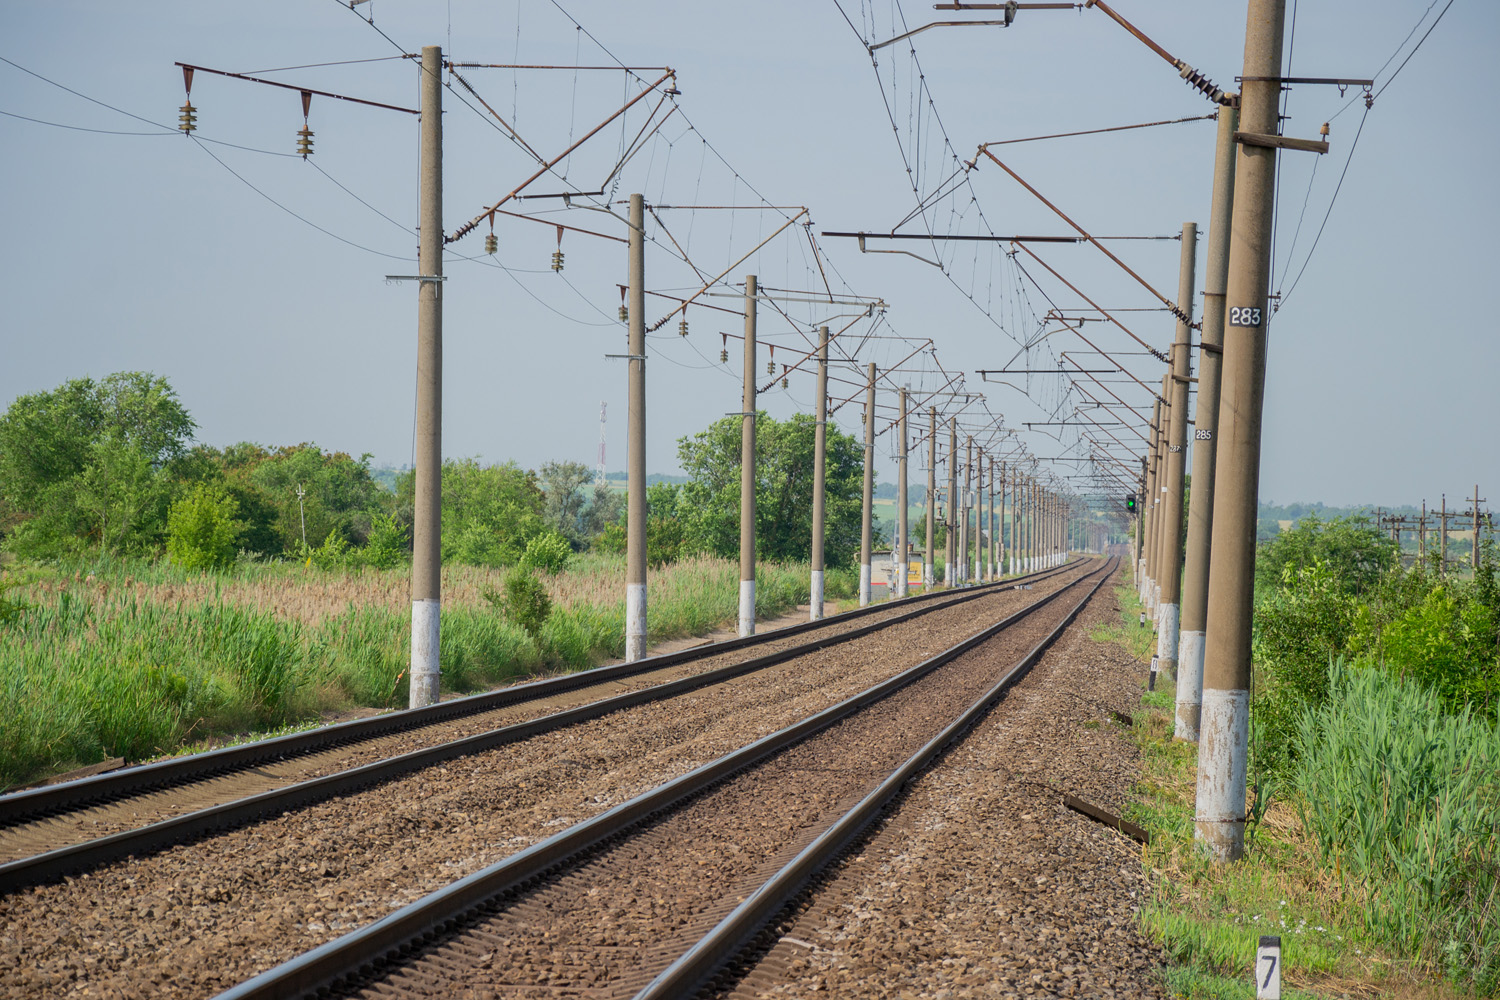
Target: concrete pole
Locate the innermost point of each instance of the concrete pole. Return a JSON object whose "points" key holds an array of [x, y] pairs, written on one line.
{"points": [[427, 528], [994, 573], [1422, 537], [820, 474], [1474, 553], [929, 577], [964, 569], [1171, 574], [978, 564], [1140, 530], [1147, 510], [1000, 569], [1443, 538], [1220, 811], [1159, 507], [950, 568], [747, 469], [866, 525], [1205, 425], [635, 436], [899, 549], [1016, 517]]}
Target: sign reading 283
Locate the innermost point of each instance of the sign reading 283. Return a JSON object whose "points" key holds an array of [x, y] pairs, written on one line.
{"points": [[1244, 316]]}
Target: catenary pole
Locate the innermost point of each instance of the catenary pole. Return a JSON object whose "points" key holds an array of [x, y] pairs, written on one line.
{"points": [[747, 469], [1182, 345], [427, 527], [1223, 739], [965, 571], [899, 550], [1205, 426], [820, 474], [989, 520], [866, 535], [928, 574], [978, 571], [635, 436], [950, 551], [1017, 520]]}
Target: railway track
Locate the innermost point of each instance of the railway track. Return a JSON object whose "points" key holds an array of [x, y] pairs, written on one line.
{"points": [[59, 830], [661, 894]]}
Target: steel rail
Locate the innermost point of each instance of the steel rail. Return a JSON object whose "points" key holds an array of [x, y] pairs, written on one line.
{"points": [[730, 936], [157, 836], [361, 952], [29, 804]]}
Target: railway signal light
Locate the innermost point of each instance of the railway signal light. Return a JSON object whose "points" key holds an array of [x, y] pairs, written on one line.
{"points": [[1130, 502]]}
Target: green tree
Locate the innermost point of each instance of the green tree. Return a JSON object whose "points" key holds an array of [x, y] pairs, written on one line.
{"points": [[339, 494], [201, 529], [90, 463], [709, 504], [1355, 551], [562, 483], [489, 513]]}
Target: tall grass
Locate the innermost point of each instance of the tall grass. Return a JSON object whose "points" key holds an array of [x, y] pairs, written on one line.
{"points": [[1404, 799], [128, 658]]}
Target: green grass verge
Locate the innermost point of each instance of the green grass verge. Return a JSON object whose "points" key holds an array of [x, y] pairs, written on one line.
{"points": [[136, 660], [1209, 917]]}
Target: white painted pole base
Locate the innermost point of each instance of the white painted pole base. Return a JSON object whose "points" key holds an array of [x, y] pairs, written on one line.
{"points": [[815, 602], [635, 621], [900, 581], [927, 576], [1166, 639], [747, 607], [1222, 743], [1189, 685], [426, 618], [864, 584]]}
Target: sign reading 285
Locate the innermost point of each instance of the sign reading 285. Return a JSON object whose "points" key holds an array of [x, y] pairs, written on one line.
{"points": [[1244, 316]]}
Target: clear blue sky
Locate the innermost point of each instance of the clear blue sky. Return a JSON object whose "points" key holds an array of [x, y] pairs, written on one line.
{"points": [[143, 252]]}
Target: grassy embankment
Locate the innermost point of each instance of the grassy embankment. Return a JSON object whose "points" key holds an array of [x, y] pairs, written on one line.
{"points": [[1377, 866], [133, 659]]}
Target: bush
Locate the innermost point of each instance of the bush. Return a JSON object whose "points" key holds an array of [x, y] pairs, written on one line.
{"points": [[524, 601], [548, 552], [1446, 642], [201, 529], [387, 546]]}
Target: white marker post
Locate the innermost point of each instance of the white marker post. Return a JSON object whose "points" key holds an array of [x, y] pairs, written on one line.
{"points": [[1268, 968]]}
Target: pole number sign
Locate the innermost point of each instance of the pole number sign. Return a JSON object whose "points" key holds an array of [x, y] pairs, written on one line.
{"points": [[1244, 316]]}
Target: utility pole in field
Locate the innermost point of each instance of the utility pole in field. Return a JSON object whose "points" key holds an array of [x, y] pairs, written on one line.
{"points": [[899, 549], [427, 526], [635, 438], [1223, 739], [1205, 425], [1181, 372], [1474, 553], [820, 475], [866, 526], [929, 576], [747, 470]]}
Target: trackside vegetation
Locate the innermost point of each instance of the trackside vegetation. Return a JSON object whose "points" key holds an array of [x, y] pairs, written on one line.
{"points": [[157, 592], [1373, 841]]}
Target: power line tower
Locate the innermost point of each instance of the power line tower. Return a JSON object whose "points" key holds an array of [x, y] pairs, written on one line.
{"points": [[599, 468]]}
